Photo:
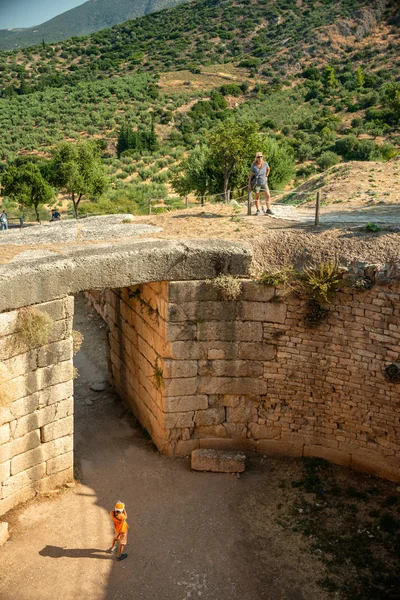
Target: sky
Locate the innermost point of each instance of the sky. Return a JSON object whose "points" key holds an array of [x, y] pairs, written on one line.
{"points": [[27, 13]]}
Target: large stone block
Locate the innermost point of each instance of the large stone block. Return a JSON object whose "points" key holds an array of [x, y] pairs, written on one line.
{"points": [[209, 431], [26, 478], [60, 463], [185, 447], [54, 308], [257, 292], [256, 351], [263, 311], [218, 461], [242, 414], [264, 432], [22, 407], [26, 460], [185, 403], [57, 447], [8, 322], [5, 470], [249, 331], [178, 419], [51, 482], [202, 311], [57, 429], [181, 387], [19, 365], [13, 500], [232, 385], [181, 331], [22, 444], [279, 447], [55, 353], [228, 444], [56, 393], [179, 368], [230, 368], [211, 416], [189, 291], [4, 433]]}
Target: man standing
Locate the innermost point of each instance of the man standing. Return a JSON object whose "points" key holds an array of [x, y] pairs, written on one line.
{"points": [[258, 181], [3, 220]]}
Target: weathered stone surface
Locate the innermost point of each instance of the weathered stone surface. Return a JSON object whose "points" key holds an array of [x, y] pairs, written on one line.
{"points": [[55, 353], [232, 385], [211, 416], [186, 386], [60, 463], [230, 368], [257, 292], [242, 414], [178, 419], [185, 403], [58, 429], [179, 368], [4, 535], [218, 461], [230, 331], [260, 432], [16, 482], [4, 433], [115, 266], [263, 311]]}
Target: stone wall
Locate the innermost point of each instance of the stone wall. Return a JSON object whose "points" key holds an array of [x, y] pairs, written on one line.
{"points": [[36, 407], [249, 374]]}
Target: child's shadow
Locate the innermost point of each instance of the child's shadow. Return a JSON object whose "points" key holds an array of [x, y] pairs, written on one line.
{"points": [[57, 552]]}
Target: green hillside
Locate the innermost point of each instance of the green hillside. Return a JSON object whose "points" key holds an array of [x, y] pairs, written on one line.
{"points": [[91, 16], [321, 80]]}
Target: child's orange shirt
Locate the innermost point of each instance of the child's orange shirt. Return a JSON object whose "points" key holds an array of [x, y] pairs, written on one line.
{"points": [[120, 524]]}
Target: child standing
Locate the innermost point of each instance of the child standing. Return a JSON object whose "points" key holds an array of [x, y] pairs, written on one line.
{"points": [[119, 517]]}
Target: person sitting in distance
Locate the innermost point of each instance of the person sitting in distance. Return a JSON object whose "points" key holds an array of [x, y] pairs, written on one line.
{"points": [[55, 215]]}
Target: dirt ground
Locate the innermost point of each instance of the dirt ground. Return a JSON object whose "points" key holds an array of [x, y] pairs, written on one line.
{"points": [[192, 535]]}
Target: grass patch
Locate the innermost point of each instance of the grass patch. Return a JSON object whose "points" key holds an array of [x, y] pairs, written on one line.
{"points": [[228, 287], [33, 327]]}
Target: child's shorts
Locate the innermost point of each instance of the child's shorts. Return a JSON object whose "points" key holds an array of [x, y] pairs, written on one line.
{"points": [[123, 538]]}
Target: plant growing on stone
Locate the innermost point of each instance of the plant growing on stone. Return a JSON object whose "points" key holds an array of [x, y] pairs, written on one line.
{"points": [[33, 327], [372, 227], [320, 283], [227, 286], [158, 375], [77, 339]]}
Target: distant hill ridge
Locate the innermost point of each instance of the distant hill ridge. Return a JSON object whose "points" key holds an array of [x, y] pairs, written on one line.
{"points": [[89, 17]]}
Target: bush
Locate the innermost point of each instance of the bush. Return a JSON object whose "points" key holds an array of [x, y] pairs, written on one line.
{"points": [[327, 159], [33, 327], [227, 286]]}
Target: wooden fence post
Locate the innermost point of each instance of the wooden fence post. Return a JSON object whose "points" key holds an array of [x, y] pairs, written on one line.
{"points": [[317, 206], [149, 207], [249, 199], [187, 201]]}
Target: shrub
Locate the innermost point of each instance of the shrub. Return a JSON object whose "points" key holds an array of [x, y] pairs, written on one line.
{"points": [[327, 159], [77, 339], [319, 284], [33, 327], [227, 286]]}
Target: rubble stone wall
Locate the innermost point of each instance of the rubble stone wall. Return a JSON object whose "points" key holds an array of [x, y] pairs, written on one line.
{"points": [[249, 374], [36, 407]]}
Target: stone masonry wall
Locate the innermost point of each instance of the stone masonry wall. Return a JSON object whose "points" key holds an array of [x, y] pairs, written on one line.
{"points": [[249, 374], [36, 408]]}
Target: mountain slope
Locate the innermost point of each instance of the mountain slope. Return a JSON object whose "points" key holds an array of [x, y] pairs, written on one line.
{"points": [[82, 20]]}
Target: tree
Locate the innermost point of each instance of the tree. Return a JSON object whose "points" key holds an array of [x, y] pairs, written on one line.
{"points": [[359, 78], [231, 144], [27, 186], [392, 99], [329, 78], [196, 173], [77, 169]]}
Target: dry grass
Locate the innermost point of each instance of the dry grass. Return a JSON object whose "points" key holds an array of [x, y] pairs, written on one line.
{"points": [[33, 327], [227, 286]]}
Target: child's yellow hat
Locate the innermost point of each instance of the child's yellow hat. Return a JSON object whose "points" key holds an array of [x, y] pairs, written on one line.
{"points": [[119, 506]]}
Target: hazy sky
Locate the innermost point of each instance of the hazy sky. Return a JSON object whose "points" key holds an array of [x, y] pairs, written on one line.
{"points": [[26, 13]]}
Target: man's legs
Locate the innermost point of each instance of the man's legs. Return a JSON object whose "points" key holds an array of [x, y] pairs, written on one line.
{"points": [[268, 201], [257, 201]]}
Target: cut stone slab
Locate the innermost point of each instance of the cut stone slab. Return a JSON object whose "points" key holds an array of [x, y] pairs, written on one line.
{"points": [[3, 533], [218, 461], [98, 386]]}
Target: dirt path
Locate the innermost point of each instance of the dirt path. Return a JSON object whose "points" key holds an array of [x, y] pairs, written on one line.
{"points": [[192, 535]]}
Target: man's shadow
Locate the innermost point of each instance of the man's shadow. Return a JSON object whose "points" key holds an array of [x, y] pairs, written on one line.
{"points": [[57, 552]]}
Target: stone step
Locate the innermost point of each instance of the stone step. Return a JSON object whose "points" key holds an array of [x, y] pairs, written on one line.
{"points": [[218, 461]]}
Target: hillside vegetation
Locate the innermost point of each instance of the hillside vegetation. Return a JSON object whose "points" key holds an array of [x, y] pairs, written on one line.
{"points": [[318, 81], [91, 16]]}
